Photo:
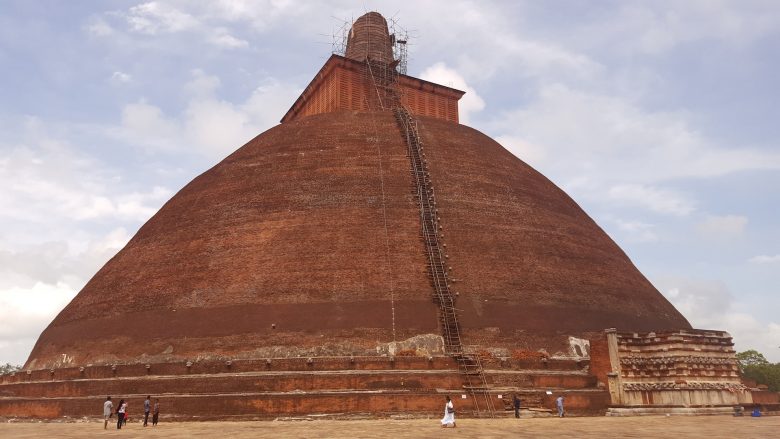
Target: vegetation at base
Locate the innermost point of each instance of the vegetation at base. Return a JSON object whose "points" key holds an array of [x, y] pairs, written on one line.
{"points": [[9, 368], [754, 366]]}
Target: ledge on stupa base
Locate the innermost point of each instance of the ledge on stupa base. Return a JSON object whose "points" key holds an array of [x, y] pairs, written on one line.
{"points": [[670, 411], [340, 387], [308, 404]]}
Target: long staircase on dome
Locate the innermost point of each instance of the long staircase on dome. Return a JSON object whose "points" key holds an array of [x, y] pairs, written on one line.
{"points": [[470, 366], [382, 75]]}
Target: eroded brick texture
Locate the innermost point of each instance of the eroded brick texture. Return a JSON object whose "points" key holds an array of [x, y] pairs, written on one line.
{"points": [[305, 242]]}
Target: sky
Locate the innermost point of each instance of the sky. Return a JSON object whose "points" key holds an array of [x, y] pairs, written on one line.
{"points": [[660, 118]]}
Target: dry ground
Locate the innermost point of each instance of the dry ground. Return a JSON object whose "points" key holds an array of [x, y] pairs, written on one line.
{"points": [[709, 427]]}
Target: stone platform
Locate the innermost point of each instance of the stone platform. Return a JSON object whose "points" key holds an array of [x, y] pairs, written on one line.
{"points": [[340, 387]]}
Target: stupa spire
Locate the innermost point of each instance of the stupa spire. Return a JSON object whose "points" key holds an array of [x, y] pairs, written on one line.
{"points": [[370, 38]]}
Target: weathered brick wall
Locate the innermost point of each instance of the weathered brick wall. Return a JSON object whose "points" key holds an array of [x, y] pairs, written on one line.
{"points": [[305, 242], [346, 85], [599, 358], [423, 100], [286, 387]]}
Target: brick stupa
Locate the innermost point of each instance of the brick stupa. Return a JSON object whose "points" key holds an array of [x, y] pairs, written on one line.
{"points": [[368, 231], [306, 240]]}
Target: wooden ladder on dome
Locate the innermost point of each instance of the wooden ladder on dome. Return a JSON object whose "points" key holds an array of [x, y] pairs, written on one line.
{"points": [[384, 79], [469, 365]]}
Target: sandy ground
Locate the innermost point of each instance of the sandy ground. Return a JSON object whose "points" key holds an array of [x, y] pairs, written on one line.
{"points": [[635, 427]]}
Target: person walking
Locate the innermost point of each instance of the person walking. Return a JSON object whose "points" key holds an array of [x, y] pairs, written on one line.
{"points": [[516, 404], [449, 414], [120, 413], [156, 414], [559, 404], [147, 408], [108, 411]]}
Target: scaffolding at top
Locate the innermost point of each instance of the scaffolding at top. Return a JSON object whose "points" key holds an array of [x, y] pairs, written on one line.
{"points": [[399, 42]]}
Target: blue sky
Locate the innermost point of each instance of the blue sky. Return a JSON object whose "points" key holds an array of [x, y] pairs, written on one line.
{"points": [[659, 118]]}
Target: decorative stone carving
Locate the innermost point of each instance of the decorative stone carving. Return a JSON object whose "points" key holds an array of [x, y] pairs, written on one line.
{"points": [[690, 385], [675, 359]]}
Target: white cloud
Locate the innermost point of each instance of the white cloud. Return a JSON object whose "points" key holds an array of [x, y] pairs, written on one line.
{"points": [[50, 262], [202, 86], [525, 151], [470, 103], [214, 127], [613, 139], [655, 30], [764, 259], [222, 38], [37, 281], [25, 311], [218, 126], [145, 125], [609, 152], [490, 42], [655, 199], [637, 231], [99, 28], [47, 179], [722, 227], [155, 17], [120, 77], [540, 58], [262, 17], [134, 205]]}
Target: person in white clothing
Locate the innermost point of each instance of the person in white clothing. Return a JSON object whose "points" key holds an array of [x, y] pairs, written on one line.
{"points": [[120, 413], [108, 410], [449, 414]]}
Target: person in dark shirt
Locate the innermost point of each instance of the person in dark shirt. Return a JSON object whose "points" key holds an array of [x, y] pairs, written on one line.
{"points": [[147, 407], [516, 404], [156, 414]]}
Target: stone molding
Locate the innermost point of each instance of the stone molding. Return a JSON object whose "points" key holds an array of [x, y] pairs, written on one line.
{"points": [[674, 359], [691, 385]]}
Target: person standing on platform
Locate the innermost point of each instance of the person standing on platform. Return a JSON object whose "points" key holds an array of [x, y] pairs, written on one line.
{"points": [[147, 408], [108, 411], [559, 404], [516, 404], [156, 414], [120, 413], [449, 414]]}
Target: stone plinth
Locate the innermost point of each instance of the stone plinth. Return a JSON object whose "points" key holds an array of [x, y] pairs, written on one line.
{"points": [[284, 387], [665, 369]]}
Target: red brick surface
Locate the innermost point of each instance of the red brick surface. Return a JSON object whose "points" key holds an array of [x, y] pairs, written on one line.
{"points": [[527, 257], [600, 365], [344, 84], [290, 231], [369, 38]]}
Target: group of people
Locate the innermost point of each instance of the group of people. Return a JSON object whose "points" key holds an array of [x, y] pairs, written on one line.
{"points": [[449, 410], [122, 413]]}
